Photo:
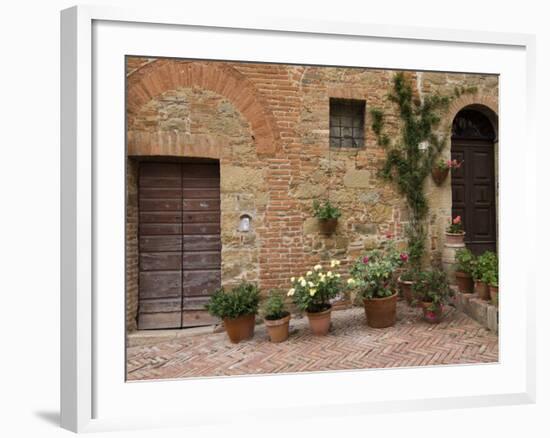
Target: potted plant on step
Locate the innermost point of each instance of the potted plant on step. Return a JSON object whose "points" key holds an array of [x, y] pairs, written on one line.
{"points": [[490, 277], [455, 232], [276, 318], [373, 276], [312, 294], [237, 308], [405, 281], [328, 215], [465, 263], [431, 289], [482, 266]]}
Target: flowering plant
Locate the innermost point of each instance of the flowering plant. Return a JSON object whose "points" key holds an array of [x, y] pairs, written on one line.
{"points": [[372, 274], [448, 164], [455, 227], [313, 291], [432, 287]]}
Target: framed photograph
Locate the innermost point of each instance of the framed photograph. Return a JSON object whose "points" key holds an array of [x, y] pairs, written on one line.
{"points": [[291, 207]]}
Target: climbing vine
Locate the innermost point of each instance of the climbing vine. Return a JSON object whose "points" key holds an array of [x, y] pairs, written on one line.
{"points": [[411, 156]]}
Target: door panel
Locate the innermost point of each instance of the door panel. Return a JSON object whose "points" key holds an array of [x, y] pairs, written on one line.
{"points": [[473, 191], [179, 243]]}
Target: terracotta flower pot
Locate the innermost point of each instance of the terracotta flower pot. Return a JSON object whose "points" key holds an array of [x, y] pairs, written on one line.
{"points": [[241, 328], [456, 239], [481, 289], [439, 175], [493, 292], [381, 312], [406, 290], [319, 322], [278, 328], [328, 226], [430, 315], [465, 282]]}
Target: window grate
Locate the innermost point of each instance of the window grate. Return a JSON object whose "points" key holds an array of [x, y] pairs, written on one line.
{"points": [[347, 123]]}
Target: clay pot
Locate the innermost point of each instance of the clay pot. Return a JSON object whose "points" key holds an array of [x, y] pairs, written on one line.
{"points": [[241, 328], [481, 289], [432, 316], [465, 282], [319, 322], [493, 292], [439, 175], [328, 226], [455, 239], [278, 328], [381, 312], [406, 290]]}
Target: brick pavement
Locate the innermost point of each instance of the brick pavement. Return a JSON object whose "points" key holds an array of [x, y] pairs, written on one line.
{"points": [[351, 344]]}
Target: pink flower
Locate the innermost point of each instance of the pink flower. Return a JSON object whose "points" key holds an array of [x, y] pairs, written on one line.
{"points": [[457, 220], [404, 257], [365, 260], [449, 163]]}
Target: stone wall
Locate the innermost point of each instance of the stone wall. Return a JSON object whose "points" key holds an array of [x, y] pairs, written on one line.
{"points": [[276, 159]]}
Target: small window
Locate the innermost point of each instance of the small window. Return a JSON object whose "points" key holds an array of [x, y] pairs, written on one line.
{"points": [[347, 123]]}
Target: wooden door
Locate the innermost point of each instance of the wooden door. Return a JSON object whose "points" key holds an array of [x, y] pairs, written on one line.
{"points": [[473, 185], [179, 242]]}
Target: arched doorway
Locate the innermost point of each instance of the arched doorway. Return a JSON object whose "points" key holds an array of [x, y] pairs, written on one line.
{"points": [[473, 184]]}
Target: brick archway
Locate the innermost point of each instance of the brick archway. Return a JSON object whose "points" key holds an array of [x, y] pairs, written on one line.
{"points": [[159, 76], [480, 101]]}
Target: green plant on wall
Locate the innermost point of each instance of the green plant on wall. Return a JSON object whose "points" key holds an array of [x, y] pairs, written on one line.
{"points": [[412, 155]]}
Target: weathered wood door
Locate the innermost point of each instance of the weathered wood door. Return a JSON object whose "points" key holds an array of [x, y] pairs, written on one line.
{"points": [[473, 185], [179, 240]]}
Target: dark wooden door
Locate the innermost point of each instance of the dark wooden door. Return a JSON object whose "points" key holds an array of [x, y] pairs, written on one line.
{"points": [[473, 191], [179, 241]]}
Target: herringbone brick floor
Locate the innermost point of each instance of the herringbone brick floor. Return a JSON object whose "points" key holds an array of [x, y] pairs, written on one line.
{"points": [[351, 344]]}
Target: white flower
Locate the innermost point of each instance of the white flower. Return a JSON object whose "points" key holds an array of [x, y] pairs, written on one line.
{"points": [[301, 279], [292, 279], [310, 284], [303, 283], [317, 267], [291, 292], [351, 281], [308, 273], [312, 291], [337, 275], [323, 279], [329, 274], [334, 263]]}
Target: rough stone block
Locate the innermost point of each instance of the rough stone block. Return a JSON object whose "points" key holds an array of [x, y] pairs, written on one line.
{"points": [[492, 318]]}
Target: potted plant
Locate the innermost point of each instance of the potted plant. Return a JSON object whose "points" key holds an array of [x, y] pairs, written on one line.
{"points": [[372, 275], [490, 276], [237, 308], [276, 318], [441, 168], [465, 263], [312, 294], [431, 289], [455, 232], [405, 281], [482, 266], [328, 215]]}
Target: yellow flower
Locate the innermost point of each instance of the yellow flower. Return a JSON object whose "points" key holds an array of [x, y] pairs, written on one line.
{"points": [[312, 291], [351, 281], [334, 263], [291, 292], [292, 279], [323, 279], [329, 274], [337, 275], [308, 273], [317, 267], [301, 279]]}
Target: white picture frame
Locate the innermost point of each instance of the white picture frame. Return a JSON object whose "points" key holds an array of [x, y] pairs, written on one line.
{"points": [[94, 396]]}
